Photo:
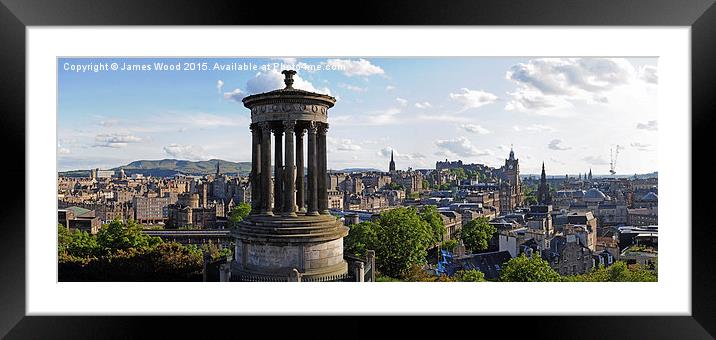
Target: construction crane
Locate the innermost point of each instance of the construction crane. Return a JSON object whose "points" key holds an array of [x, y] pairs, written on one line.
{"points": [[613, 163]]}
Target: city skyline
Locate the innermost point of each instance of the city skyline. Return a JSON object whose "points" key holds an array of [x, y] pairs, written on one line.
{"points": [[567, 113]]}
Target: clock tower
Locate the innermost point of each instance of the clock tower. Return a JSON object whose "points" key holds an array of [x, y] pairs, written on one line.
{"points": [[512, 175]]}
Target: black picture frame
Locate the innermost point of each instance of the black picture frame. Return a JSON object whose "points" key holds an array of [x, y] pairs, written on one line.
{"points": [[16, 15]]}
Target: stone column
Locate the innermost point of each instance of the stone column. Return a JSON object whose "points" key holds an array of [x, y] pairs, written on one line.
{"points": [[289, 174], [278, 172], [265, 191], [322, 170], [255, 169], [312, 171], [300, 197]]}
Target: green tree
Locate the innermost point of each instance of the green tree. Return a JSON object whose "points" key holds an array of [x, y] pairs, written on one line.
{"points": [[477, 234], [75, 243], [214, 251], [459, 173], [617, 272], [530, 195], [469, 275], [122, 236], [238, 213], [445, 186], [524, 269], [431, 215], [450, 244], [394, 186], [361, 237], [122, 252], [402, 241], [63, 238]]}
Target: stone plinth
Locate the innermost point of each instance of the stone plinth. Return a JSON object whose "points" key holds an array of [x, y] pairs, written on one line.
{"points": [[274, 246]]}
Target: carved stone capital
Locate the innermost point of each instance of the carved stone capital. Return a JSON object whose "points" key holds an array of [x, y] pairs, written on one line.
{"points": [[312, 127], [322, 128], [265, 127], [289, 126]]}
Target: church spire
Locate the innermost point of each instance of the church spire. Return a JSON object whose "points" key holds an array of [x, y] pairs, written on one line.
{"points": [[217, 168], [543, 195], [391, 166]]}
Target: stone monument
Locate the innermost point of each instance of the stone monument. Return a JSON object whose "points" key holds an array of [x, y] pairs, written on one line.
{"points": [[289, 228]]}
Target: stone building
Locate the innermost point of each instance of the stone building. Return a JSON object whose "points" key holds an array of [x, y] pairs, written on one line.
{"points": [[79, 218], [567, 255], [411, 180], [150, 210], [290, 232], [186, 212], [453, 224]]}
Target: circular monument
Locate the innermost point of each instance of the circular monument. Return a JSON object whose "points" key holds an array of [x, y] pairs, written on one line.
{"points": [[289, 228]]}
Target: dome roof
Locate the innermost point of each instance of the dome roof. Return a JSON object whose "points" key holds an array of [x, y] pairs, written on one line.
{"points": [[594, 194], [651, 197]]}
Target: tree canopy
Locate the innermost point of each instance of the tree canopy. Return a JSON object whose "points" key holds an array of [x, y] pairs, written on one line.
{"points": [[431, 215], [469, 275], [400, 239], [238, 213], [477, 233], [122, 252], [617, 272], [528, 269]]}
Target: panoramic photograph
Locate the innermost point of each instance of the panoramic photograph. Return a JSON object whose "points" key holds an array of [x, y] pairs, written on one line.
{"points": [[357, 169]]}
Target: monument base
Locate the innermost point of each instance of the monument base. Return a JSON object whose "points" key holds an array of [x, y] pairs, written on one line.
{"points": [[270, 248]]}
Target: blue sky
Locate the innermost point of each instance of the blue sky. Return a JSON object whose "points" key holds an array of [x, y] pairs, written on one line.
{"points": [[567, 112]]}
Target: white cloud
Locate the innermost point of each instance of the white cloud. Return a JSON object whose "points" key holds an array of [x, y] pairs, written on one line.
{"points": [[273, 80], [556, 144], [567, 76], [651, 125], [449, 118], [535, 128], [343, 144], [550, 83], [460, 146], [115, 140], [471, 99], [360, 67], [236, 95], [401, 101], [62, 150], [595, 160], [186, 152], [219, 86], [423, 105], [390, 88], [649, 74], [641, 146], [474, 128], [529, 100], [385, 152]]}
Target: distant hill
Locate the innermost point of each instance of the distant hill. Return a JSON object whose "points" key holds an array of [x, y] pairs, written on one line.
{"points": [[351, 170], [171, 167]]}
